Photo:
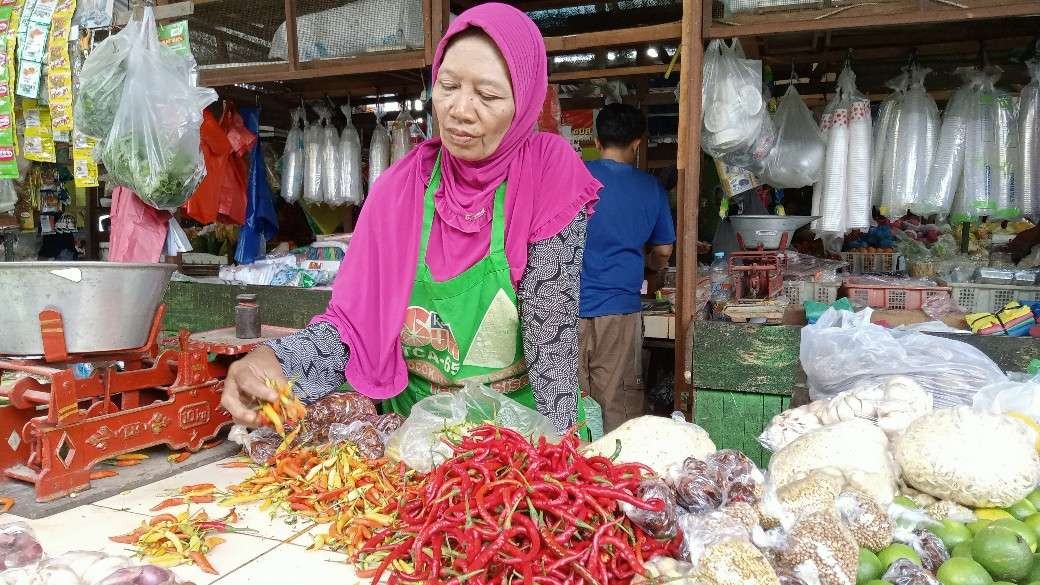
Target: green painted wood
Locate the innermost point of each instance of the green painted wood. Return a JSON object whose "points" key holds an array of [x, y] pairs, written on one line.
{"points": [[745, 358], [200, 307], [753, 425], [734, 420]]}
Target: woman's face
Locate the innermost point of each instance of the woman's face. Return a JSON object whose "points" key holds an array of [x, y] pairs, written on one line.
{"points": [[473, 98]]}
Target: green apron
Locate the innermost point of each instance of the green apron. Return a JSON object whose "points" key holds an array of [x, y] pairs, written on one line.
{"points": [[466, 328]]}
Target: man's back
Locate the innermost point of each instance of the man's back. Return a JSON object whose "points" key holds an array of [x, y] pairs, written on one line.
{"points": [[632, 212]]}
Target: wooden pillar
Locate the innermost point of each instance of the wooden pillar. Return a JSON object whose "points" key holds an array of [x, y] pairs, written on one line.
{"points": [[689, 167], [291, 44]]}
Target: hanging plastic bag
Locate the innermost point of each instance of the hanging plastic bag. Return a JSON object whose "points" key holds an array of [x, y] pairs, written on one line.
{"points": [[1029, 149], [910, 147], [834, 188], [101, 82], [8, 195], [350, 162], [944, 177], [292, 159], [153, 147], [844, 349], [857, 181], [400, 136], [330, 161], [1006, 140], [797, 158], [18, 546], [887, 112], [313, 143], [419, 442], [378, 153], [736, 124], [981, 183]]}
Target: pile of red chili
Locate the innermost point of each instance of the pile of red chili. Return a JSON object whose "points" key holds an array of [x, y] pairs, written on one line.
{"points": [[503, 510]]}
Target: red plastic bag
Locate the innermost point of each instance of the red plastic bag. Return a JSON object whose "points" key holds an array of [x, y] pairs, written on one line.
{"points": [[225, 146], [138, 229]]}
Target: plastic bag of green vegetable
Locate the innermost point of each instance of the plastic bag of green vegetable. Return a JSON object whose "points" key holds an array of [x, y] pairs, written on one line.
{"points": [[153, 145], [101, 82]]}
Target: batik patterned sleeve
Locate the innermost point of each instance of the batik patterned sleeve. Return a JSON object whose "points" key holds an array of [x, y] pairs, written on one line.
{"points": [[314, 358], [548, 295]]}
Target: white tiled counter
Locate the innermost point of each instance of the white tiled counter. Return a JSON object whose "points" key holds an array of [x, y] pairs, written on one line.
{"points": [[275, 554]]}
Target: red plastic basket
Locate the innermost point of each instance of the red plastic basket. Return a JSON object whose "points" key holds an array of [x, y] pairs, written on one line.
{"points": [[892, 297]]}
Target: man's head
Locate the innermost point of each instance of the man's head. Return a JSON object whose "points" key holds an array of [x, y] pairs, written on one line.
{"points": [[619, 130]]}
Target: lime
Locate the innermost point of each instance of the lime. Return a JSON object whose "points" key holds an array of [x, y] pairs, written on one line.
{"points": [[1003, 552], [951, 533], [992, 514], [1034, 523], [1034, 573], [880, 582], [1034, 498], [961, 571], [1022, 509], [1022, 529], [870, 568], [962, 550], [977, 526], [905, 502], [898, 551]]}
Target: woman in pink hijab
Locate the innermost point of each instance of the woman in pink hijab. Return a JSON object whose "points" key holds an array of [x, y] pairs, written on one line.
{"points": [[464, 265]]}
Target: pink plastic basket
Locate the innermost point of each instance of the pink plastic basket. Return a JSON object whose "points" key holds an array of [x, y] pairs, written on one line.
{"points": [[893, 297]]}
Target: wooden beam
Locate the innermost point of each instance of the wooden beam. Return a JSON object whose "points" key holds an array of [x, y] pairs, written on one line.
{"points": [[361, 64], [613, 38], [291, 43], [689, 166], [889, 18], [608, 72]]}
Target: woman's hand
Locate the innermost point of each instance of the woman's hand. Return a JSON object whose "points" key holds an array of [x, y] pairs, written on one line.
{"points": [[246, 384]]}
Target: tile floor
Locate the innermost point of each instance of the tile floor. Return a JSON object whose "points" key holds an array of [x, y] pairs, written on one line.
{"points": [[275, 554]]}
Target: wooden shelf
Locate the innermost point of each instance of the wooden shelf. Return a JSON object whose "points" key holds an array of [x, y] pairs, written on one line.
{"points": [[615, 38], [608, 72], [866, 15], [361, 64]]}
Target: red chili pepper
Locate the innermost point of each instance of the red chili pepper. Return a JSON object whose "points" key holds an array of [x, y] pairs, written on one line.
{"points": [[169, 503], [102, 474], [6, 504], [203, 563]]}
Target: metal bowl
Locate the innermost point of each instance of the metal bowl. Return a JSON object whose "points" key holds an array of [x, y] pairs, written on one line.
{"points": [[105, 306], [768, 230]]}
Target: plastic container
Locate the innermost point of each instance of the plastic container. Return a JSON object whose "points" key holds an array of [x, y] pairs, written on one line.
{"points": [[873, 262], [893, 297], [800, 291], [990, 298], [721, 284]]}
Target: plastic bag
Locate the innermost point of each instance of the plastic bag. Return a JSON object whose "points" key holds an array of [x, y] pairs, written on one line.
{"points": [[887, 112], [723, 478], [337, 408], [400, 136], [944, 176], [736, 124], [378, 153], [153, 146], [351, 189], [844, 201], [702, 531], [101, 82], [1010, 397], [313, 147], [18, 546], [363, 434], [666, 570], [292, 159], [663, 524], [86, 567], [910, 146], [8, 195], [905, 572], [866, 519], [797, 159], [821, 544], [261, 444], [330, 160], [418, 442], [1029, 149], [142, 575], [388, 423], [843, 349]]}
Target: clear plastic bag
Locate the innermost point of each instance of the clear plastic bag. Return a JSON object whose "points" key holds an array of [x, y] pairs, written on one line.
{"points": [[797, 158], [844, 349], [662, 570], [313, 147], [8, 195], [663, 524], [944, 177], [86, 567], [723, 478], [351, 187], [101, 82], [887, 112], [142, 575], [292, 159], [866, 519], [702, 531], [735, 122], [909, 146], [364, 435], [153, 146], [418, 442], [261, 445], [400, 136], [338, 408], [378, 153], [18, 546], [1010, 397], [905, 572], [1029, 149], [820, 543], [330, 160]]}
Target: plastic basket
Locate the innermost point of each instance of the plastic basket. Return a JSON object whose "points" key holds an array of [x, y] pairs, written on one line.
{"points": [[873, 262], [990, 298], [799, 291], [893, 297]]}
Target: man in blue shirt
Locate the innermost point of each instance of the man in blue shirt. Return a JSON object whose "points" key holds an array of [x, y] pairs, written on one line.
{"points": [[631, 228]]}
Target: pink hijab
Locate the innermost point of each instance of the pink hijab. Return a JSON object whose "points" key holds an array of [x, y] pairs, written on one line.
{"points": [[548, 186]]}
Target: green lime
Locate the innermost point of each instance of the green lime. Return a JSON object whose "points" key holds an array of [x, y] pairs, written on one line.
{"points": [[880, 582], [1003, 583], [1034, 498], [977, 526], [1034, 523], [1022, 509], [905, 502], [898, 551], [961, 571], [951, 533], [962, 550], [870, 568], [1034, 573], [1003, 552], [1022, 528]]}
